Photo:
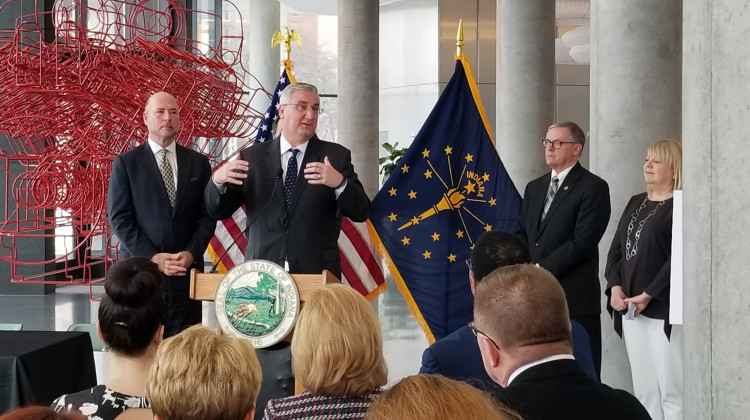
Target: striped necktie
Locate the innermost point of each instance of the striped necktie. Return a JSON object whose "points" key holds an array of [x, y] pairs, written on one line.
{"points": [[550, 196]]}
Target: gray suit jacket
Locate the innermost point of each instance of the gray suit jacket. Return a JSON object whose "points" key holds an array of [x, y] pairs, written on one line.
{"points": [[306, 234]]}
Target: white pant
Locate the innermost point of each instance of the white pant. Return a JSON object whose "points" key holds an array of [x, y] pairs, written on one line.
{"points": [[656, 366]]}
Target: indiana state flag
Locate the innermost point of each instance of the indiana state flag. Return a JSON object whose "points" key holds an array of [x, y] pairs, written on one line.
{"points": [[449, 188]]}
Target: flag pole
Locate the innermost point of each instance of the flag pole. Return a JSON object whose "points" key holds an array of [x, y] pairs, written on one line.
{"points": [[460, 38]]}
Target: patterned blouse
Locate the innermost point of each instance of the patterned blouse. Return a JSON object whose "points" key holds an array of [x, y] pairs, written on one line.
{"points": [[99, 403], [309, 406]]}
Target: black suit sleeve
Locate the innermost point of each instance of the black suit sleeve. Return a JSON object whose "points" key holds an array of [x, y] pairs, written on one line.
{"points": [[591, 222], [121, 211], [521, 230], [353, 201], [204, 231], [222, 205]]}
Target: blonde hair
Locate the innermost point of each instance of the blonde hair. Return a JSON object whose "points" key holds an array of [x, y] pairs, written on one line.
{"points": [[428, 397], [522, 305], [669, 152], [337, 348], [199, 375]]}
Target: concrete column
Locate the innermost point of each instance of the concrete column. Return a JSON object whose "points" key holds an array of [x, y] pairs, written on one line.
{"points": [[635, 100], [359, 86], [525, 85], [264, 63], [716, 109]]}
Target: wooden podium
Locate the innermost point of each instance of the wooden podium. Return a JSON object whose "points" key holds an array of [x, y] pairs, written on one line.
{"points": [[203, 285]]}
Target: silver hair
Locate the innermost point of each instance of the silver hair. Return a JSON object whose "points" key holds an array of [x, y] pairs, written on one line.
{"points": [[288, 92]]}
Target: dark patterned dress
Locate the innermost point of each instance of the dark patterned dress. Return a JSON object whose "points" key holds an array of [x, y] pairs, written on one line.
{"points": [[308, 406], [99, 403]]}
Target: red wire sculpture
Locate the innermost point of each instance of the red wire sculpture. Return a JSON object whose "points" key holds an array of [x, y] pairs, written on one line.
{"points": [[70, 105]]}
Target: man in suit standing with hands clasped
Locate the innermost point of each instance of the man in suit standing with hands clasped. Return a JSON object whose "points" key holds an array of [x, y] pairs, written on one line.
{"points": [[156, 207], [296, 223], [563, 217]]}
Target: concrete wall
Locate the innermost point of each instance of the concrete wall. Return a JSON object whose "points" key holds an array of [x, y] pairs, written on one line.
{"points": [[716, 108]]}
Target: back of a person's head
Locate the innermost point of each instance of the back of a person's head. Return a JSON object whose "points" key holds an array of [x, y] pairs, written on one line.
{"points": [[337, 348], [429, 397], [522, 305], [495, 249], [35, 412], [200, 375], [132, 309]]}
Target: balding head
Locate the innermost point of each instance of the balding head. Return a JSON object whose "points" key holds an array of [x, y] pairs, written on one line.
{"points": [[161, 115], [521, 306]]}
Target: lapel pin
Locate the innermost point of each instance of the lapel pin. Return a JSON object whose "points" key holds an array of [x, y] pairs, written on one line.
{"points": [[566, 188]]}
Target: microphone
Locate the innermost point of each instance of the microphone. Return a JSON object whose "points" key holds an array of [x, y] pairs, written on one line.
{"points": [[279, 174]]}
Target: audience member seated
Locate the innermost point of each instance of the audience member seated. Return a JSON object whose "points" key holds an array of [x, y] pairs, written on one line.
{"points": [[457, 355], [200, 375], [337, 356], [36, 412], [523, 329], [131, 324], [430, 397]]}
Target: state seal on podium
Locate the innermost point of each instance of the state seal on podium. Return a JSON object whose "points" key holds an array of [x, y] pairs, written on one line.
{"points": [[259, 301]]}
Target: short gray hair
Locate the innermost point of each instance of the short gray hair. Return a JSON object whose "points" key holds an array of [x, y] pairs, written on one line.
{"points": [[576, 133], [288, 92]]}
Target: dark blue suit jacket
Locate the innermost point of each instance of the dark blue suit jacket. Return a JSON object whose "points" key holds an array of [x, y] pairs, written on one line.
{"points": [[139, 209], [457, 356]]}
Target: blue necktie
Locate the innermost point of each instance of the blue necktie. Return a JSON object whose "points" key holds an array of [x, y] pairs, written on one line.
{"points": [[291, 177]]}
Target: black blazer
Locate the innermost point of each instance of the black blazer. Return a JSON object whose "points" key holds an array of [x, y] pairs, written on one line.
{"points": [[567, 242], [139, 210], [306, 233], [561, 390]]}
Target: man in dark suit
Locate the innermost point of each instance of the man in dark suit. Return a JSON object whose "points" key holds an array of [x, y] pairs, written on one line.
{"points": [[563, 217], [156, 207], [457, 355], [295, 223], [522, 328]]}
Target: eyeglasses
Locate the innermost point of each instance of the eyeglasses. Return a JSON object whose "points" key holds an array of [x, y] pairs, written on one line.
{"points": [[468, 264], [302, 107], [477, 331], [555, 144]]}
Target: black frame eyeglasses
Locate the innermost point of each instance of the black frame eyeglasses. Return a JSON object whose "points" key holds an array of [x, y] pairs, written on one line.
{"points": [[302, 107], [477, 331], [556, 144]]}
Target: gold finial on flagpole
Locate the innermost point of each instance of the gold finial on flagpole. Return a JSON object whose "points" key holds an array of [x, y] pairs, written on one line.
{"points": [[460, 38], [287, 38]]}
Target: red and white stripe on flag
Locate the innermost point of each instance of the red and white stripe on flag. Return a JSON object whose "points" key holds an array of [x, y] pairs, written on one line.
{"points": [[226, 231], [360, 263]]}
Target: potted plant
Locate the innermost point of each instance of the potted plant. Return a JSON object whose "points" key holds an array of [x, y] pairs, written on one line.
{"points": [[389, 162]]}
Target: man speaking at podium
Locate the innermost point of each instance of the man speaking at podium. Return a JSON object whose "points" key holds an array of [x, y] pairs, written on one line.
{"points": [[295, 189]]}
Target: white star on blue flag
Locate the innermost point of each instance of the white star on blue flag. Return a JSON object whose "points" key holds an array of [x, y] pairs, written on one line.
{"points": [[264, 132]]}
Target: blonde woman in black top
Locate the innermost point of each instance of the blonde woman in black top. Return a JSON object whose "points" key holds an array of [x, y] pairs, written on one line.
{"points": [[638, 283]]}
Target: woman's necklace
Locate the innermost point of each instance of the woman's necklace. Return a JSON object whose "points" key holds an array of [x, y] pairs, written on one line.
{"points": [[631, 248]]}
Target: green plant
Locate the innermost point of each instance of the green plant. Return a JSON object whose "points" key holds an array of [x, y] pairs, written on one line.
{"points": [[389, 163]]}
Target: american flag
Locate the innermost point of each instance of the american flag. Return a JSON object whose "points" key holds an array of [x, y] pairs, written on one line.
{"points": [[360, 263]]}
